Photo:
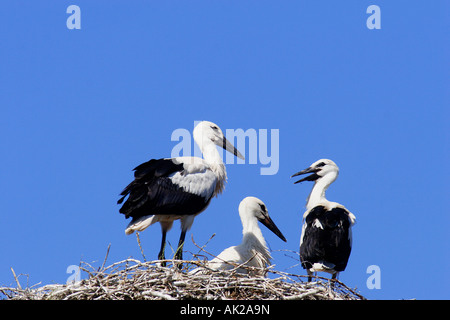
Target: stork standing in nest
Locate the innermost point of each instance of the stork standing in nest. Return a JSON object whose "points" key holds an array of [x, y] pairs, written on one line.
{"points": [[165, 190], [326, 239]]}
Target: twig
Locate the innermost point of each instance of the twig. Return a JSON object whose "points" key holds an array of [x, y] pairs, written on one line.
{"points": [[106, 257], [140, 247], [15, 278]]}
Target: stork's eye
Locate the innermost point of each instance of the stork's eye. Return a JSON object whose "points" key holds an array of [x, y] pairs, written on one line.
{"points": [[320, 164], [214, 128], [263, 207]]}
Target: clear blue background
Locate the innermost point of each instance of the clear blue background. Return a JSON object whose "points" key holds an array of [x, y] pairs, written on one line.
{"points": [[81, 108]]}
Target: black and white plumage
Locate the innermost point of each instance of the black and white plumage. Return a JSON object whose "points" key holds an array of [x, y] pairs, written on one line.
{"points": [[326, 239], [165, 190]]}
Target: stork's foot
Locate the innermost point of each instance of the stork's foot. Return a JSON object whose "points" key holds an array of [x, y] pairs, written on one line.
{"points": [[179, 256], [179, 252], [333, 279], [161, 258]]}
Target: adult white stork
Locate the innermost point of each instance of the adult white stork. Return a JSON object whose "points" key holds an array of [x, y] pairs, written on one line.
{"points": [[326, 239], [165, 190], [253, 250]]}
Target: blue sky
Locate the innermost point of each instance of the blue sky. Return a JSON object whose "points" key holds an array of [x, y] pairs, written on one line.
{"points": [[81, 108]]}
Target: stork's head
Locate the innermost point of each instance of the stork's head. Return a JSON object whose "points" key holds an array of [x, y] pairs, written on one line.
{"points": [[206, 132], [254, 207], [319, 169]]}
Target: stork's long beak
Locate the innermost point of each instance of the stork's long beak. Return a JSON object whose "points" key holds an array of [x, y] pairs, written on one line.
{"points": [[312, 177], [267, 221], [230, 148]]}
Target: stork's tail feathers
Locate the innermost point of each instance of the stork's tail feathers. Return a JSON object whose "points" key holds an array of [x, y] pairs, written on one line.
{"points": [[139, 224], [121, 199], [323, 266]]}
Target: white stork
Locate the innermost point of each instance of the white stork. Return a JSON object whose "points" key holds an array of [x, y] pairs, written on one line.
{"points": [[326, 239], [168, 189], [253, 250]]}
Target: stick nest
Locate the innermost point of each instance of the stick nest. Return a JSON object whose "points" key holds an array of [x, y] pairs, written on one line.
{"points": [[132, 279]]}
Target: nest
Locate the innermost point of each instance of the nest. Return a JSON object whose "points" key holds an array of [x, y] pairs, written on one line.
{"points": [[132, 279]]}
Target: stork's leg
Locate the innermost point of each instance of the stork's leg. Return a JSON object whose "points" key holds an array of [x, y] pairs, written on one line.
{"points": [[334, 277], [165, 226], [309, 275], [179, 252], [186, 223], [163, 246]]}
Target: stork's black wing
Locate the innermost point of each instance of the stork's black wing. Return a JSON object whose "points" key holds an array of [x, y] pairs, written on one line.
{"points": [[152, 192], [326, 238]]}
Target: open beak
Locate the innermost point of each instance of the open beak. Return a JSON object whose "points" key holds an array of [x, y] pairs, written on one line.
{"points": [[230, 148], [267, 221], [312, 177]]}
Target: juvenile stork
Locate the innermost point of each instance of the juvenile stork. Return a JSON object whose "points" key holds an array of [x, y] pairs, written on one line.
{"points": [[326, 239], [253, 250], [165, 190]]}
